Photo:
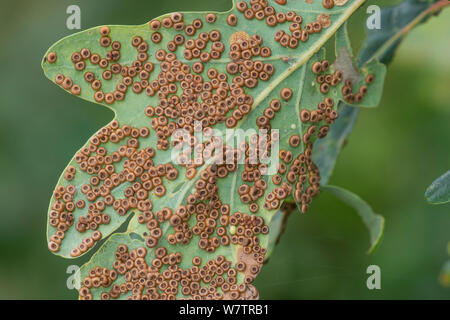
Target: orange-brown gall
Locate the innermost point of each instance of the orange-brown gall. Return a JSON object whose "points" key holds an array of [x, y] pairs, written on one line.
{"points": [[51, 57], [232, 20], [328, 4], [286, 94], [104, 31]]}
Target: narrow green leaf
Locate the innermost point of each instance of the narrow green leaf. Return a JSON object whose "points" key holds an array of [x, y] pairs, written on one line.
{"points": [[327, 151], [373, 221], [276, 226], [439, 191]]}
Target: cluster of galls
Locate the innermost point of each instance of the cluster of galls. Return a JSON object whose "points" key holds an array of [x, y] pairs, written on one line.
{"points": [[245, 233], [139, 67], [207, 207], [138, 164], [254, 168], [177, 219], [205, 102], [67, 84], [86, 244], [164, 279], [328, 80], [94, 217], [101, 163], [98, 277], [250, 194], [347, 90], [275, 198], [242, 51], [260, 10], [194, 48], [175, 21], [324, 79], [61, 214], [70, 172], [214, 95], [303, 170]]}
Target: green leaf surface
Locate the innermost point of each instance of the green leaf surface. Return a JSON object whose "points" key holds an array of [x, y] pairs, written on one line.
{"points": [[439, 191], [373, 221], [292, 69]]}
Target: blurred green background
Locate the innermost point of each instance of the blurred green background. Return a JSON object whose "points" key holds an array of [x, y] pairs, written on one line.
{"points": [[393, 154]]}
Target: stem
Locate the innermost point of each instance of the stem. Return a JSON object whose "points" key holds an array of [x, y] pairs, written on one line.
{"points": [[436, 7], [286, 208]]}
